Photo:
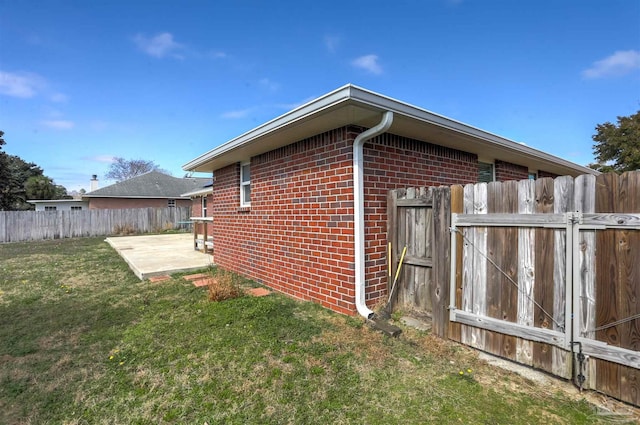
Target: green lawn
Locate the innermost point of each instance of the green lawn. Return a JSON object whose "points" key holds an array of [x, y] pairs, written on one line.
{"points": [[82, 341]]}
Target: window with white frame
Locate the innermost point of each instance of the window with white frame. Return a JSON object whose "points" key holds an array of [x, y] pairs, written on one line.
{"points": [[171, 203], [245, 184], [76, 208], [486, 172], [204, 206], [50, 208]]}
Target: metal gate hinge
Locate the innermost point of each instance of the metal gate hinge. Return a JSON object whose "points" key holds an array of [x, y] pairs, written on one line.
{"points": [[574, 218]]}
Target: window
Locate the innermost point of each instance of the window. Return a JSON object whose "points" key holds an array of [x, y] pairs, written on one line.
{"points": [[533, 175], [50, 208], [204, 206], [171, 203], [245, 185], [486, 172], [76, 208]]}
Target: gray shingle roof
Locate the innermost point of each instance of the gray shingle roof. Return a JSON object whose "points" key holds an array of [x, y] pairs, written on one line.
{"points": [[149, 185]]}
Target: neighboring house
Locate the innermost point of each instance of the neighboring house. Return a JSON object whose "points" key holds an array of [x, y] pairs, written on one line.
{"points": [[299, 203], [152, 189], [60, 204]]}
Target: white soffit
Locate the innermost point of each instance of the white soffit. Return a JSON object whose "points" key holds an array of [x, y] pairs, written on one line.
{"points": [[198, 192]]}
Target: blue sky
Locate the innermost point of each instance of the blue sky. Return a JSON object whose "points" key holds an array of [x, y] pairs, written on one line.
{"points": [[84, 81]]}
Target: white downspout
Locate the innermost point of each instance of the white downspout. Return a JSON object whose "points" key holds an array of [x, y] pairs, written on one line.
{"points": [[358, 208]]}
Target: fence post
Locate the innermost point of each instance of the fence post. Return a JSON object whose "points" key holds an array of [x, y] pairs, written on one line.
{"points": [[442, 263], [455, 289], [392, 221]]}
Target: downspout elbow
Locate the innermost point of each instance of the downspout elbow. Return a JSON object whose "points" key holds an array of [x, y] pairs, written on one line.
{"points": [[358, 209]]}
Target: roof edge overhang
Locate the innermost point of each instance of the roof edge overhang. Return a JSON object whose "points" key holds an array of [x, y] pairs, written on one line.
{"points": [[42, 201], [353, 105], [198, 192], [135, 197]]}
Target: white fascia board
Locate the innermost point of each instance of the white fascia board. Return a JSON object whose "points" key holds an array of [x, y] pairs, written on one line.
{"points": [[42, 201], [135, 197]]}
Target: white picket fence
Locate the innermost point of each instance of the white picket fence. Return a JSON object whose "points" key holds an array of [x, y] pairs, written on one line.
{"points": [[18, 226]]}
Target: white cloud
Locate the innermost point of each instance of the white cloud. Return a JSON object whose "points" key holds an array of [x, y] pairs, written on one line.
{"points": [[620, 63], [59, 97], [24, 85], [241, 113], [59, 124], [369, 63], [288, 106], [53, 113], [269, 85], [101, 158], [159, 46], [331, 42], [216, 54]]}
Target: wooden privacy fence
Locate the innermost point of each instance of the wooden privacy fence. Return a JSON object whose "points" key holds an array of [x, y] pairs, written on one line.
{"points": [[18, 226], [545, 273]]}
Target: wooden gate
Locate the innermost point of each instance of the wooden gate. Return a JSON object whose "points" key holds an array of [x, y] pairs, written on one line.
{"points": [[545, 273], [419, 219], [556, 285]]}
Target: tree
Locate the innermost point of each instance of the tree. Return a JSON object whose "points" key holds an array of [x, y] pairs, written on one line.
{"points": [[40, 187], [21, 171], [124, 169], [21, 180], [6, 198], [617, 146]]}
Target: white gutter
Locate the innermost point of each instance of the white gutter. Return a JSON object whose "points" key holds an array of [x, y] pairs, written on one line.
{"points": [[358, 209]]}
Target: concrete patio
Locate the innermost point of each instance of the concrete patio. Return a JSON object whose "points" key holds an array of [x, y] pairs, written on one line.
{"points": [[155, 255]]}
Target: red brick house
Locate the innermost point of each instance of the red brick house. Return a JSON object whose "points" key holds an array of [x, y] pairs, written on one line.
{"points": [[299, 203]]}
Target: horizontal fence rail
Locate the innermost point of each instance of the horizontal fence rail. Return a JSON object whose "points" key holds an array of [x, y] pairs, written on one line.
{"points": [[20, 226]]}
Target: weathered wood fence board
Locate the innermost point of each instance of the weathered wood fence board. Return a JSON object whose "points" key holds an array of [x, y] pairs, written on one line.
{"points": [[538, 272], [18, 226], [584, 202], [526, 267]]}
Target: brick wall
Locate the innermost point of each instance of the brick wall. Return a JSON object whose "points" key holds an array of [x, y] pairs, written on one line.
{"points": [[542, 174], [506, 171], [122, 203], [297, 237]]}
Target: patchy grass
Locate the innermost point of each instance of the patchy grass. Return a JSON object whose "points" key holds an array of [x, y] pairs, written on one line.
{"points": [[85, 342]]}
